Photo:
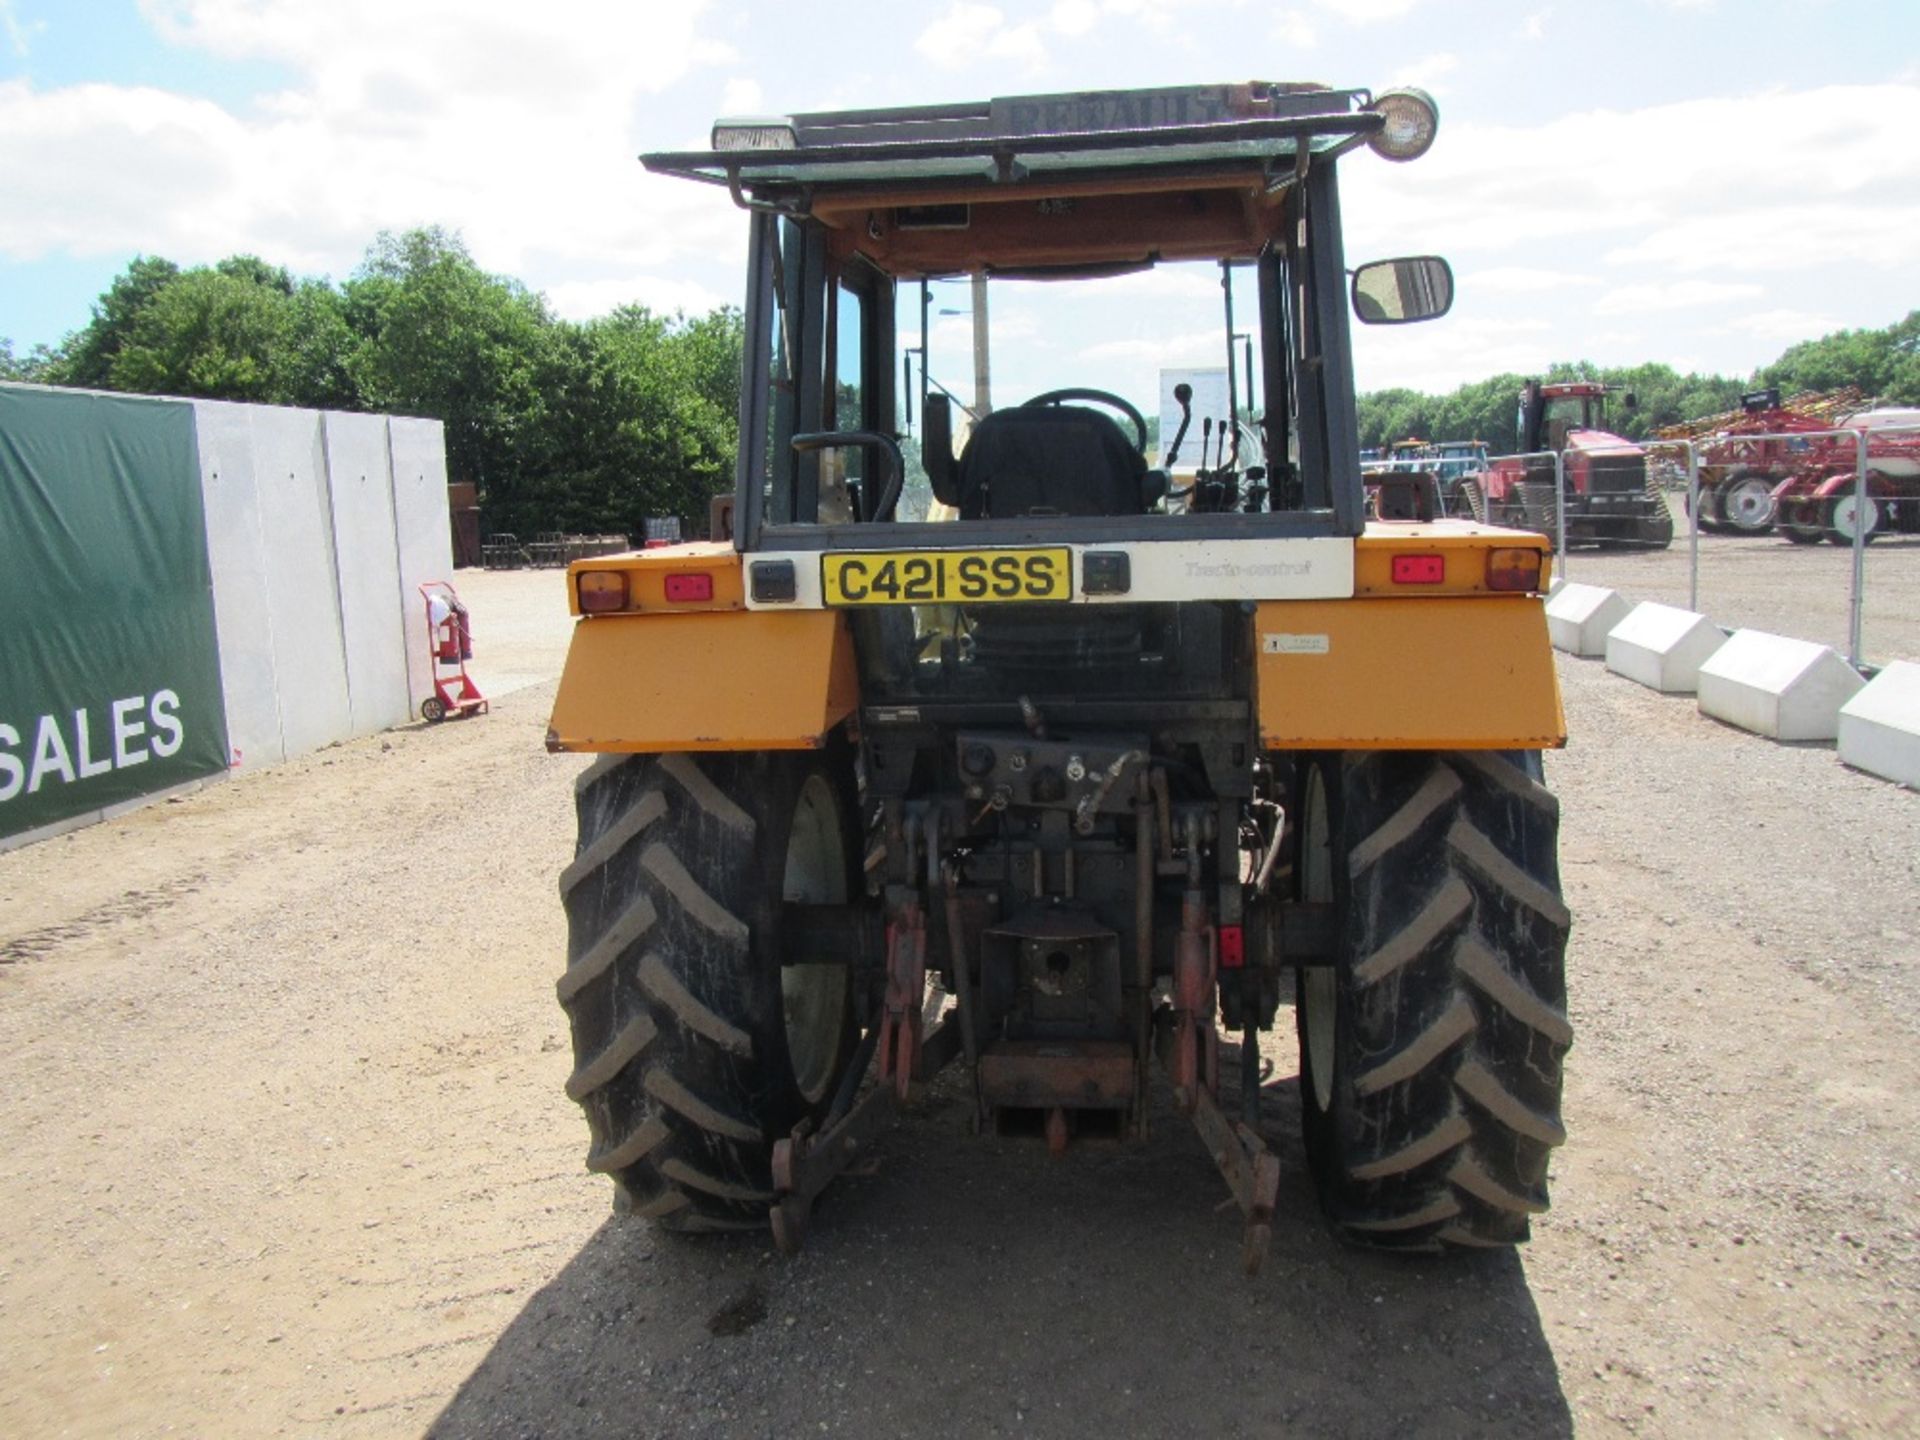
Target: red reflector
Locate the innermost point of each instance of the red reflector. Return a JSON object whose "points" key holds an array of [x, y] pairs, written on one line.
{"points": [[656, 545], [689, 589], [1233, 947], [1419, 569]]}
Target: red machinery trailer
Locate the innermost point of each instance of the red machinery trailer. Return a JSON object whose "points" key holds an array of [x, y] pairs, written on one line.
{"points": [[1778, 464]]}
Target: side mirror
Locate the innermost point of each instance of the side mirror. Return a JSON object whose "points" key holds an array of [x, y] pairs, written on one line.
{"points": [[1399, 292]]}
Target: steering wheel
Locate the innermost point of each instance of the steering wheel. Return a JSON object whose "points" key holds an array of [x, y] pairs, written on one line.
{"points": [[1098, 397]]}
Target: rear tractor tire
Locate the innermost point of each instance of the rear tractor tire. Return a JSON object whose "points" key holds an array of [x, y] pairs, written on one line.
{"points": [[695, 1050], [1431, 1051]]}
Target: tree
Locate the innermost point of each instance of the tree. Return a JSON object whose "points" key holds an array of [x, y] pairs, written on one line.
{"points": [[86, 357], [438, 336], [205, 333], [1883, 363], [32, 367]]}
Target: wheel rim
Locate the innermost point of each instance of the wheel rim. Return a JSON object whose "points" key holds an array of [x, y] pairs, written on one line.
{"points": [[1319, 989], [814, 997], [1749, 504], [1843, 521]]}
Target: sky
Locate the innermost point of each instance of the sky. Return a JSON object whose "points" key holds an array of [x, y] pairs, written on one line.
{"points": [[1699, 182]]}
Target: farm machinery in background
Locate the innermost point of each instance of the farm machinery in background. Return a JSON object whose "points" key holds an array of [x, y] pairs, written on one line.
{"points": [[1770, 464], [1458, 468], [1612, 499]]}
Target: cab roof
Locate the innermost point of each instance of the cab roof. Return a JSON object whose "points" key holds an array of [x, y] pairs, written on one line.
{"points": [[1017, 138], [1040, 184]]}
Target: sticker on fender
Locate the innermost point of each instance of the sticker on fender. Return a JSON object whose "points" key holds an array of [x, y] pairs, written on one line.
{"points": [[1280, 644], [945, 577]]}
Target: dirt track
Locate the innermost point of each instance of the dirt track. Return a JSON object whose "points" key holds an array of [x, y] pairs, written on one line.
{"points": [[288, 1151]]}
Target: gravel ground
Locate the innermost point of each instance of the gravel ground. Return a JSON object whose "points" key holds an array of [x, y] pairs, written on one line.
{"points": [[290, 1155], [1767, 583]]}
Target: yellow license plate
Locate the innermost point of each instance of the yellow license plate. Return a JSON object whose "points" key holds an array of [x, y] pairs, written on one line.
{"points": [[945, 577]]}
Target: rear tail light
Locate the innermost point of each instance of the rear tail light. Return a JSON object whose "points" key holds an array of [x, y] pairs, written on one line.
{"points": [[1419, 569], [691, 588], [1513, 570], [601, 590]]}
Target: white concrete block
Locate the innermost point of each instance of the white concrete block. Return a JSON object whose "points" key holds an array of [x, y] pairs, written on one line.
{"points": [[425, 538], [1579, 617], [303, 600], [1784, 689], [1880, 726], [367, 561], [1663, 647], [242, 613]]}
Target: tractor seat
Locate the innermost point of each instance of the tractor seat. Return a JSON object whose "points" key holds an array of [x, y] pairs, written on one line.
{"points": [[1052, 460]]}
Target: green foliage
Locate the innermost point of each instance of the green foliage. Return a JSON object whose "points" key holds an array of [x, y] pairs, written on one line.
{"points": [[32, 367], [1883, 363], [205, 333], [589, 427], [86, 357]]}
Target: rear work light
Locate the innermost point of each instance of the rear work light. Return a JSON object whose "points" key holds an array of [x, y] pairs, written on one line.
{"points": [[1419, 569], [1513, 570], [771, 133], [693, 587], [1412, 120], [601, 590]]}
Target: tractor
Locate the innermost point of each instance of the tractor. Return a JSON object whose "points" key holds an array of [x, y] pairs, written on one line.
{"points": [[1127, 763], [1612, 500]]}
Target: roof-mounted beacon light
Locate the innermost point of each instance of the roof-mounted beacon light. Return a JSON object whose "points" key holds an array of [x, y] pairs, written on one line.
{"points": [[770, 132], [1412, 118]]}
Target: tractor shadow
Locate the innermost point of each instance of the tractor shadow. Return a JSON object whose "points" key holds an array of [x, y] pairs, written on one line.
{"points": [[973, 1286]]}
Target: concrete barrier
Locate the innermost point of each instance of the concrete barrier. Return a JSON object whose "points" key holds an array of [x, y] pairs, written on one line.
{"points": [[1579, 617], [1880, 726], [1783, 689], [1662, 647]]}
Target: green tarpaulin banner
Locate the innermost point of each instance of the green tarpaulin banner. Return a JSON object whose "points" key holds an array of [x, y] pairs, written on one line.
{"points": [[109, 661]]}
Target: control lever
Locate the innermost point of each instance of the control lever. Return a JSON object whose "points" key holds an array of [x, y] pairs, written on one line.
{"points": [[1183, 397]]}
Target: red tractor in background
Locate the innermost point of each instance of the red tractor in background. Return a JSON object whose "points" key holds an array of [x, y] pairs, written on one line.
{"points": [[1611, 498]]}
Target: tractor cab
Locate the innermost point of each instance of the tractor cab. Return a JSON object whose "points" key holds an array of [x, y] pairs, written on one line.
{"points": [[1550, 414]]}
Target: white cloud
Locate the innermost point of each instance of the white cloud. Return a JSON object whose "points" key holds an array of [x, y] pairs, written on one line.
{"points": [[1676, 295], [1367, 12], [586, 299], [743, 96], [1534, 27], [1074, 17], [969, 33], [1730, 183], [1294, 29], [1437, 357], [1785, 326], [1522, 280], [479, 114], [1818, 232], [1427, 72]]}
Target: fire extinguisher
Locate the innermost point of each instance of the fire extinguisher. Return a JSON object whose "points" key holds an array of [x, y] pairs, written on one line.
{"points": [[452, 639]]}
